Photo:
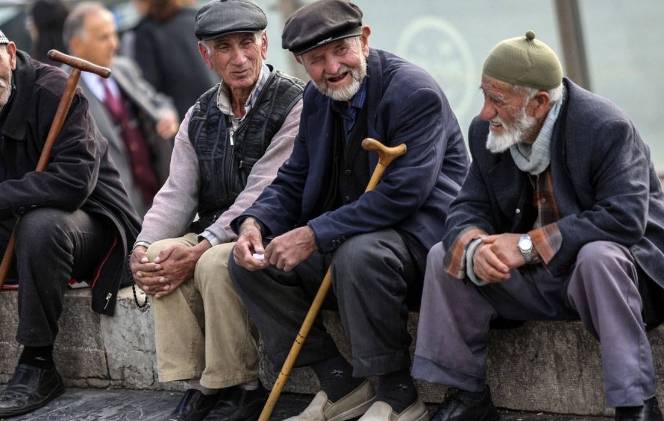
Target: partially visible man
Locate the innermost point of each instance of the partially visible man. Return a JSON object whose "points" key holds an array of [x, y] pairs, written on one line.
{"points": [[229, 147], [561, 217], [75, 216], [316, 208], [138, 122]]}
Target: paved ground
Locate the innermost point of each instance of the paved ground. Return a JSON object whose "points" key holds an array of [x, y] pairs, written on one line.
{"points": [[133, 405]]}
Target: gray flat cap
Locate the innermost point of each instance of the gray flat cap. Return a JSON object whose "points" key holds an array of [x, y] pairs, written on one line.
{"points": [[320, 23], [220, 17], [3, 38]]}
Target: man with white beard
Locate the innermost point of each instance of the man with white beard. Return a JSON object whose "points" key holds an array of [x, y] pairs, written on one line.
{"points": [[561, 217], [315, 208]]}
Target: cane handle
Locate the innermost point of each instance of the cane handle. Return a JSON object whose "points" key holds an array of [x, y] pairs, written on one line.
{"points": [[78, 63], [386, 155]]}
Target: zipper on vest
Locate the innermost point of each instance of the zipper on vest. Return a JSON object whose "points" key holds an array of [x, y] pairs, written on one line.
{"points": [[231, 132]]}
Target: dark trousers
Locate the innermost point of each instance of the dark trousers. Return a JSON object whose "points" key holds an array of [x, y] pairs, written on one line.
{"points": [[52, 246], [372, 275]]}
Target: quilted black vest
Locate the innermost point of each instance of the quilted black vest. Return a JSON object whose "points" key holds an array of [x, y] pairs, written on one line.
{"points": [[226, 157]]}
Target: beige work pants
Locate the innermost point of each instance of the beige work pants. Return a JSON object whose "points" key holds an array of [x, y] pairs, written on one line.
{"points": [[202, 329]]}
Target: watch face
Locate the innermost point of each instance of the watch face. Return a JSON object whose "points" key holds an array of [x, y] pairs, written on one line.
{"points": [[525, 244]]}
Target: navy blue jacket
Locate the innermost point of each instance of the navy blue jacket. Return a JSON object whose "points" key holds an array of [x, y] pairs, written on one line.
{"points": [[405, 105], [604, 184]]}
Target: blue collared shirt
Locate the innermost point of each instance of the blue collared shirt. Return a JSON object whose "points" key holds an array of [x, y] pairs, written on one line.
{"points": [[349, 110]]}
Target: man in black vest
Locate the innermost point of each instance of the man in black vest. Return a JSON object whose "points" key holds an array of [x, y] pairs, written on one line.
{"points": [[74, 217], [229, 147]]}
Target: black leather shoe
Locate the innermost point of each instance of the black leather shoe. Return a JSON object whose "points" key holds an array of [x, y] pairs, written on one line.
{"points": [[30, 388], [238, 404], [460, 405], [193, 406], [648, 412]]}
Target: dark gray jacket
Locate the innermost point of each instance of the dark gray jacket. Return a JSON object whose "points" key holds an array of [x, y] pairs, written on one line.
{"points": [[79, 174]]}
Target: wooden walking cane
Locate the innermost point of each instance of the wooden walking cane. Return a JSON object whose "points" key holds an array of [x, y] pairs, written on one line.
{"points": [[78, 66], [385, 157]]}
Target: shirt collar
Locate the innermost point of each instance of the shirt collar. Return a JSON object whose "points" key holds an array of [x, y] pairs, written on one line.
{"points": [[224, 95]]}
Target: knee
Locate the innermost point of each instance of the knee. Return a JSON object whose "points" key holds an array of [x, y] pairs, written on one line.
{"points": [[599, 257], [436, 255], [40, 228], [598, 254], [158, 246], [357, 253], [213, 265]]}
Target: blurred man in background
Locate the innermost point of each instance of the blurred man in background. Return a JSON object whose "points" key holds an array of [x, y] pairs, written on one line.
{"points": [[138, 122]]}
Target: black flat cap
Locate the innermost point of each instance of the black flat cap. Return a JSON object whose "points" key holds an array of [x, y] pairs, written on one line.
{"points": [[220, 17], [319, 23]]}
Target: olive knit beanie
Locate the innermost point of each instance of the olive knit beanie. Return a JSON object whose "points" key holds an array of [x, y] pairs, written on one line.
{"points": [[524, 61]]}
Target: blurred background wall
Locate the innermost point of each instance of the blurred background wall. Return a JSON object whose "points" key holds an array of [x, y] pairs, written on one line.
{"points": [[614, 47]]}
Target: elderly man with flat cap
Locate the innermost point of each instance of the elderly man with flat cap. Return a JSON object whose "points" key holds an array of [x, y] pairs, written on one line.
{"points": [[561, 217], [316, 208], [229, 147]]}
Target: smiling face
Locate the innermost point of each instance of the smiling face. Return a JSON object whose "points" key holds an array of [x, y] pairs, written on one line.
{"points": [[338, 68], [7, 65], [236, 58], [513, 115]]}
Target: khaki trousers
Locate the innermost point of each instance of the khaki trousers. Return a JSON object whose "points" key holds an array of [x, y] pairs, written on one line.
{"points": [[202, 329]]}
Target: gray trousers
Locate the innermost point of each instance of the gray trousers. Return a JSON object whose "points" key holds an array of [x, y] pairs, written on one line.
{"points": [[372, 275], [52, 246], [601, 290]]}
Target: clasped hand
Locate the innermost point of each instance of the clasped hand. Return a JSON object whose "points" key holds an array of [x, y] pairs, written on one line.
{"points": [[496, 256], [173, 266]]}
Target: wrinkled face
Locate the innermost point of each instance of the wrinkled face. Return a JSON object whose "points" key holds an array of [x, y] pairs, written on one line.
{"points": [[338, 68], [98, 40], [236, 58], [7, 65], [506, 110]]}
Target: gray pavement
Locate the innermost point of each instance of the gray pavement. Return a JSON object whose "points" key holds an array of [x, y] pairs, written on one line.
{"points": [[133, 405]]}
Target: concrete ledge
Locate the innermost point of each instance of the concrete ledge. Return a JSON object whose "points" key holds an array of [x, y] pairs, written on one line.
{"points": [[541, 366]]}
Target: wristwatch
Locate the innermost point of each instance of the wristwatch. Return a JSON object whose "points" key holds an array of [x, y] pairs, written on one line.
{"points": [[525, 246]]}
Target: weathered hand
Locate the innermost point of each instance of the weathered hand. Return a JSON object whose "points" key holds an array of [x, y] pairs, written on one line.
{"points": [[167, 126], [144, 272], [487, 266], [177, 265], [290, 249], [249, 242], [505, 247]]}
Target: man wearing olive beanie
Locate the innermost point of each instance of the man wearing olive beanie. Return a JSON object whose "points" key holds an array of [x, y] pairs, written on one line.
{"points": [[561, 217]]}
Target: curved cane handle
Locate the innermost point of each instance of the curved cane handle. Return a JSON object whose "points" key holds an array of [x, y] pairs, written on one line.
{"points": [[386, 155], [78, 63]]}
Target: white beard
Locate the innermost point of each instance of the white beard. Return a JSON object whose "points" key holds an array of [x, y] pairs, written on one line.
{"points": [[347, 92], [523, 125]]}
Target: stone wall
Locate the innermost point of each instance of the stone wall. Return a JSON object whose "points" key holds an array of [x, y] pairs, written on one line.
{"points": [[551, 366]]}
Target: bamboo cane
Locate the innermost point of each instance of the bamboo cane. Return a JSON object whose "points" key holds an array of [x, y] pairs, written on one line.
{"points": [[385, 157]]}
